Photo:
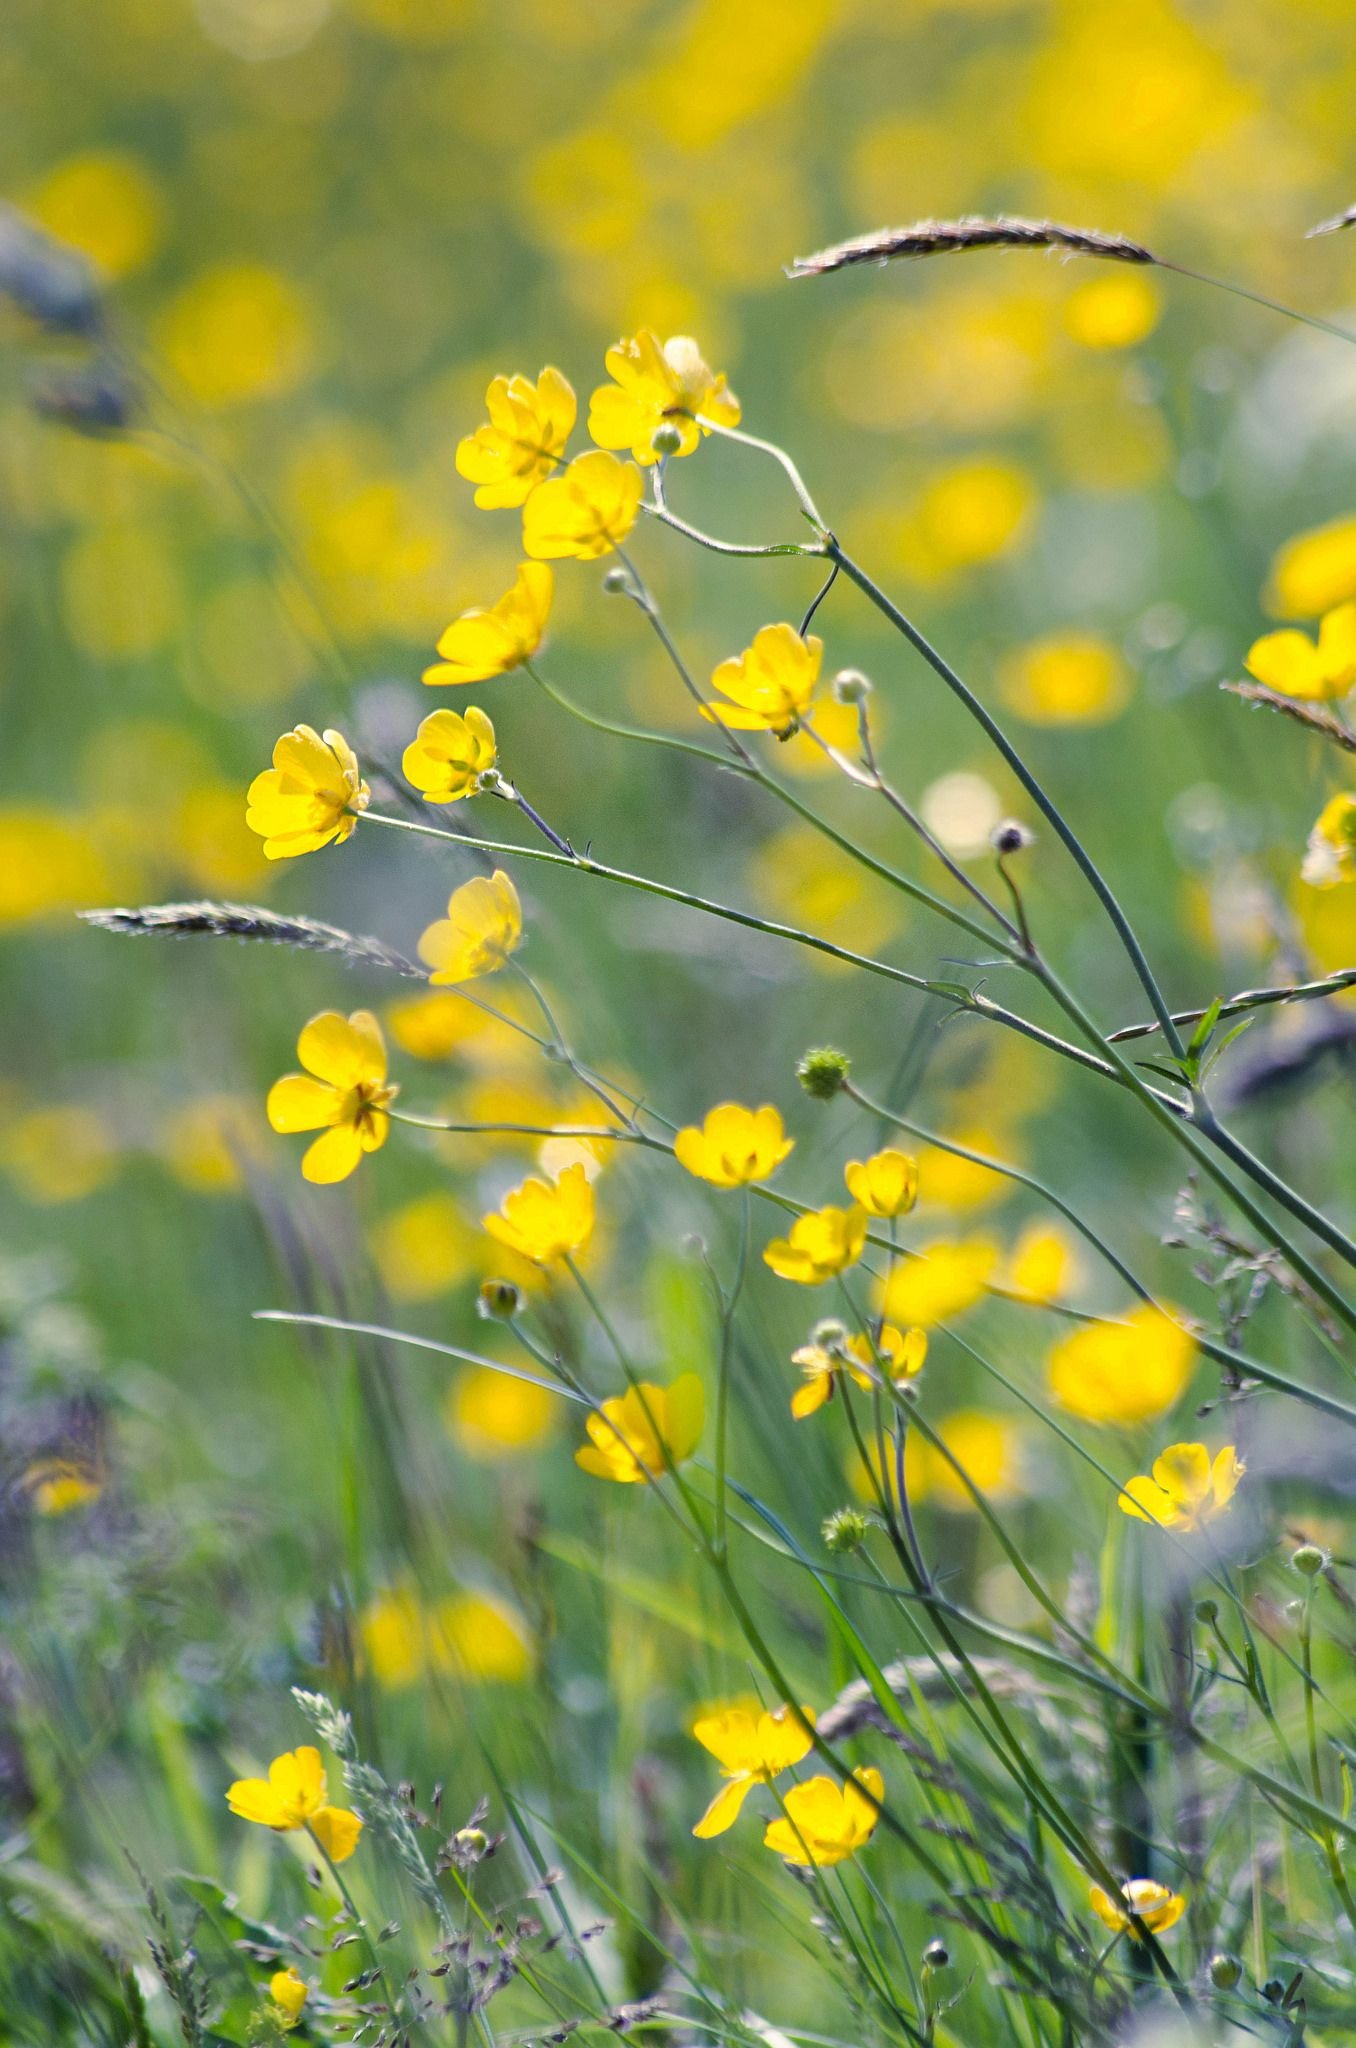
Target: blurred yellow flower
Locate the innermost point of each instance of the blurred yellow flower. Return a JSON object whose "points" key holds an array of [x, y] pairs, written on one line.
{"points": [[448, 755], [312, 794], [884, 1185], [478, 1637], [57, 1485], [1065, 679], [656, 384], [1330, 856], [288, 1992], [546, 1220], [752, 1748], [945, 1278], [489, 640], [295, 1795], [433, 1027], [1125, 1372], [988, 1449], [1314, 572], [205, 1141], [899, 1354], [770, 684], [238, 332], [826, 1242], [1316, 670], [824, 1822], [733, 1145], [47, 864], [104, 204], [58, 1155], [1042, 1264], [948, 1181], [483, 926], [631, 1436], [1185, 1488], [120, 593], [1115, 309], [1153, 1903], [973, 512], [492, 1416], [585, 512], [394, 1638], [822, 1364], [522, 441], [425, 1247], [343, 1093], [896, 1354]]}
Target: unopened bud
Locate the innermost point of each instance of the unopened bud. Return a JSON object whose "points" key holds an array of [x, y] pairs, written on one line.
{"points": [[936, 1955], [1207, 1612], [830, 1335], [1309, 1560], [1224, 1971], [823, 1071], [844, 1531], [471, 1841], [616, 582], [499, 1301], [667, 439], [850, 686], [1011, 837]]}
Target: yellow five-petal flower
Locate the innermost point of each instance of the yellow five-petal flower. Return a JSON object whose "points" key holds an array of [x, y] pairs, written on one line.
{"points": [[1289, 661], [1186, 1487], [825, 1242], [770, 684], [1154, 1904], [545, 1220], [522, 441], [343, 1093], [639, 1434], [311, 795], [289, 1993], [483, 926], [295, 1795], [449, 754], [886, 1184], [489, 640], [751, 1749], [733, 1145], [585, 512], [657, 383], [824, 1821]]}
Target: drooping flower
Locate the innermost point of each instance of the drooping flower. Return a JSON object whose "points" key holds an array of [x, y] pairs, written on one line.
{"points": [[886, 1184], [289, 1993], [656, 384], [825, 1242], [770, 684], [344, 1093], [295, 1795], [733, 1145], [1156, 1906], [629, 1437], [1330, 856], [1185, 1488], [751, 1749], [1124, 1372], [522, 441], [449, 754], [489, 640], [585, 512], [312, 794], [945, 1278], [484, 924], [902, 1354], [546, 1220], [825, 1822], [1289, 661]]}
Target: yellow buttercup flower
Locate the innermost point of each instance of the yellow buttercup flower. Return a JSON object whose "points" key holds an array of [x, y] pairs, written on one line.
{"points": [[943, 1280], [1186, 1487], [886, 1184], [902, 1354], [657, 384], [1314, 572], [898, 1355], [449, 754], [343, 1093], [1066, 679], [484, 924], [751, 1749], [1330, 856], [1315, 670], [311, 795], [295, 1795], [770, 684], [819, 1245], [1156, 1906], [522, 441], [1125, 1372], [546, 1220], [822, 1364], [1041, 1266], [585, 512], [733, 1145], [825, 1822], [633, 1431], [57, 1485], [289, 1993], [489, 640]]}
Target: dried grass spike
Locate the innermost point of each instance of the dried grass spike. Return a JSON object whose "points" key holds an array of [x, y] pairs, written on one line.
{"points": [[248, 921], [1333, 226], [953, 237]]}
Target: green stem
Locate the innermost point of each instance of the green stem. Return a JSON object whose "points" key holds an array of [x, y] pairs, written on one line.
{"points": [[729, 1303], [374, 1960]]}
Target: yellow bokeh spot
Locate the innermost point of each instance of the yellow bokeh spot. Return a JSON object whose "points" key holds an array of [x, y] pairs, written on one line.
{"points": [[48, 864], [1314, 572], [119, 592], [425, 1248], [948, 1182], [974, 512], [1124, 1372], [214, 846], [1115, 309], [492, 1416], [1065, 679], [58, 1155], [103, 204], [483, 1638], [798, 879], [947, 1277], [239, 332], [204, 1143]]}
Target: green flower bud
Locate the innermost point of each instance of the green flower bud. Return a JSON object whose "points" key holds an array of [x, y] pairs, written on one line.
{"points": [[666, 439], [823, 1071], [1207, 1612], [936, 1956], [1224, 1971], [1309, 1560], [850, 686], [844, 1531], [499, 1301]]}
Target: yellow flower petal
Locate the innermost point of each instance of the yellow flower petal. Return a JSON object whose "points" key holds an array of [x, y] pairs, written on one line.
{"points": [[337, 1832]]}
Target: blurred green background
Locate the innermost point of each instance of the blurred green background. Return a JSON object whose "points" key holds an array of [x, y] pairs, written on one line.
{"points": [[322, 225]]}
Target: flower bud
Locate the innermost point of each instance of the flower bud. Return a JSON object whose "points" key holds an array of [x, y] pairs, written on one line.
{"points": [[822, 1072], [1309, 1560], [1207, 1612], [667, 439], [844, 1531], [616, 582], [1224, 1971], [499, 1301], [850, 686], [1011, 837], [830, 1335], [936, 1955]]}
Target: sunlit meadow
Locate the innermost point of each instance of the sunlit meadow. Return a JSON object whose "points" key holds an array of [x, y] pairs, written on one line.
{"points": [[678, 928]]}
